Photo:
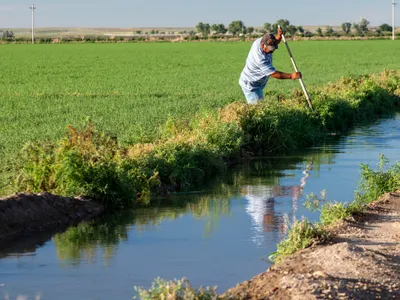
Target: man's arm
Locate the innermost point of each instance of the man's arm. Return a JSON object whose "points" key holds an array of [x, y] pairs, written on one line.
{"points": [[281, 75]]}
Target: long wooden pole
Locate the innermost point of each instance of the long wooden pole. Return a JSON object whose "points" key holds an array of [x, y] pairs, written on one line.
{"points": [[297, 70]]}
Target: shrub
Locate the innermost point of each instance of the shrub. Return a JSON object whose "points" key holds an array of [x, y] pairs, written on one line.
{"points": [[301, 235], [175, 290]]}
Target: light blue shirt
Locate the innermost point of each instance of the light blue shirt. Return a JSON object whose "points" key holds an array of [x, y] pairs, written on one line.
{"points": [[258, 68]]}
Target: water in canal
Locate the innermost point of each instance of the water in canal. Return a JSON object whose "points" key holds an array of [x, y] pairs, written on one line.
{"points": [[215, 235]]}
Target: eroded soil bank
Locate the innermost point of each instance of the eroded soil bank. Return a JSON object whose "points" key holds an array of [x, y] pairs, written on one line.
{"points": [[23, 214], [362, 261]]}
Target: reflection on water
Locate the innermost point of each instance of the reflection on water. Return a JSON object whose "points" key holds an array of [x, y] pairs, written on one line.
{"points": [[213, 236], [257, 183], [80, 244]]}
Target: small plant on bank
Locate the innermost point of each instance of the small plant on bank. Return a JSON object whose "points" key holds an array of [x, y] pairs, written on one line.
{"points": [[375, 183], [301, 235], [175, 290], [330, 211]]}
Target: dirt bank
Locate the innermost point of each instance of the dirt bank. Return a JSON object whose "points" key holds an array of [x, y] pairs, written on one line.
{"points": [[361, 262], [22, 215]]}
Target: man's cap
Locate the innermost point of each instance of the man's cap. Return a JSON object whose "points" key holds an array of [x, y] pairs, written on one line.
{"points": [[270, 41]]}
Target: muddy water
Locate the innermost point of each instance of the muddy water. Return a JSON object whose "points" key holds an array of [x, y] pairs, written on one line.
{"points": [[214, 235]]}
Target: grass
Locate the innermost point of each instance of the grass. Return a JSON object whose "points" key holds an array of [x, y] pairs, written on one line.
{"points": [[130, 90], [92, 163]]}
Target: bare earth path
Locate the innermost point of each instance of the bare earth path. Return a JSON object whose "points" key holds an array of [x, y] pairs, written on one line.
{"points": [[361, 262]]}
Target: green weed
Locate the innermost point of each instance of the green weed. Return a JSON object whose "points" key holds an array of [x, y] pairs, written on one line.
{"points": [[301, 235], [374, 184], [175, 290]]}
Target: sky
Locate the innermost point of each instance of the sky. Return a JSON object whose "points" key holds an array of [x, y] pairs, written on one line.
{"points": [[187, 13]]}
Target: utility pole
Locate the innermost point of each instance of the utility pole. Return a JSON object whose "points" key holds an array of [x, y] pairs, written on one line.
{"points": [[393, 19], [33, 22]]}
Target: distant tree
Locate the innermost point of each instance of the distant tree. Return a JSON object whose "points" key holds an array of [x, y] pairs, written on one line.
{"points": [[206, 30], [138, 31], [357, 28], [218, 28], [300, 29], [203, 28], [200, 27], [346, 27], [291, 29], [236, 27], [250, 30], [8, 35], [319, 31], [221, 29], [385, 27], [268, 27], [364, 25], [152, 31], [329, 31], [283, 23], [308, 33]]}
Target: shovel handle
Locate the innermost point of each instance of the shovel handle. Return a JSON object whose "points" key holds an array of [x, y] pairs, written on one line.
{"points": [[303, 86]]}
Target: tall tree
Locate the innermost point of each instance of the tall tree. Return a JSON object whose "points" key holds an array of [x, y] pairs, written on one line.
{"points": [[364, 25], [236, 27], [319, 31], [250, 30], [291, 29], [203, 28], [268, 27], [357, 28], [346, 27], [200, 27], [283, 23], [221, 29]]}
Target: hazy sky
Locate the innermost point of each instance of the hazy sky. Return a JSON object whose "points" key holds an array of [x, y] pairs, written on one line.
{"points": [[187, 13]]}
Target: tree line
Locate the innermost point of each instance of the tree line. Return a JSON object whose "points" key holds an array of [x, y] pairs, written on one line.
{"points": [[238, 28], [8, 35]]}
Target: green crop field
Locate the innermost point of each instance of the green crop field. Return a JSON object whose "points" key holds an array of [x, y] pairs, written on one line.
{"points": [[131, 89]]}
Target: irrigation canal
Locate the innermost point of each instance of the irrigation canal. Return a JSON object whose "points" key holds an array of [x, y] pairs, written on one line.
{"points": [[213, 235]]}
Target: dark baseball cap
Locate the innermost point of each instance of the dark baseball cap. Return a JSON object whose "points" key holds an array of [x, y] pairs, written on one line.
{"points": [[270, 41]]}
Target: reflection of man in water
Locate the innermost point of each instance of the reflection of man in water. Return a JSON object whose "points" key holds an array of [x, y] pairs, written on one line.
{"points": [[261, 205], [261, 208]]}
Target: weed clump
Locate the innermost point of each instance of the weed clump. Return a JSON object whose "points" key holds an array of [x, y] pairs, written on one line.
{"points": [[301, 235], [176, 290]]}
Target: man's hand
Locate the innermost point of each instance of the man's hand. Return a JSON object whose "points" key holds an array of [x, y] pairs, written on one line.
{"points": [[280, 31], [279, 35], [295, 75]]}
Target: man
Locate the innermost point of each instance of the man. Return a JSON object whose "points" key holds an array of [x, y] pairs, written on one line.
{"points": [[259, 68]]}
